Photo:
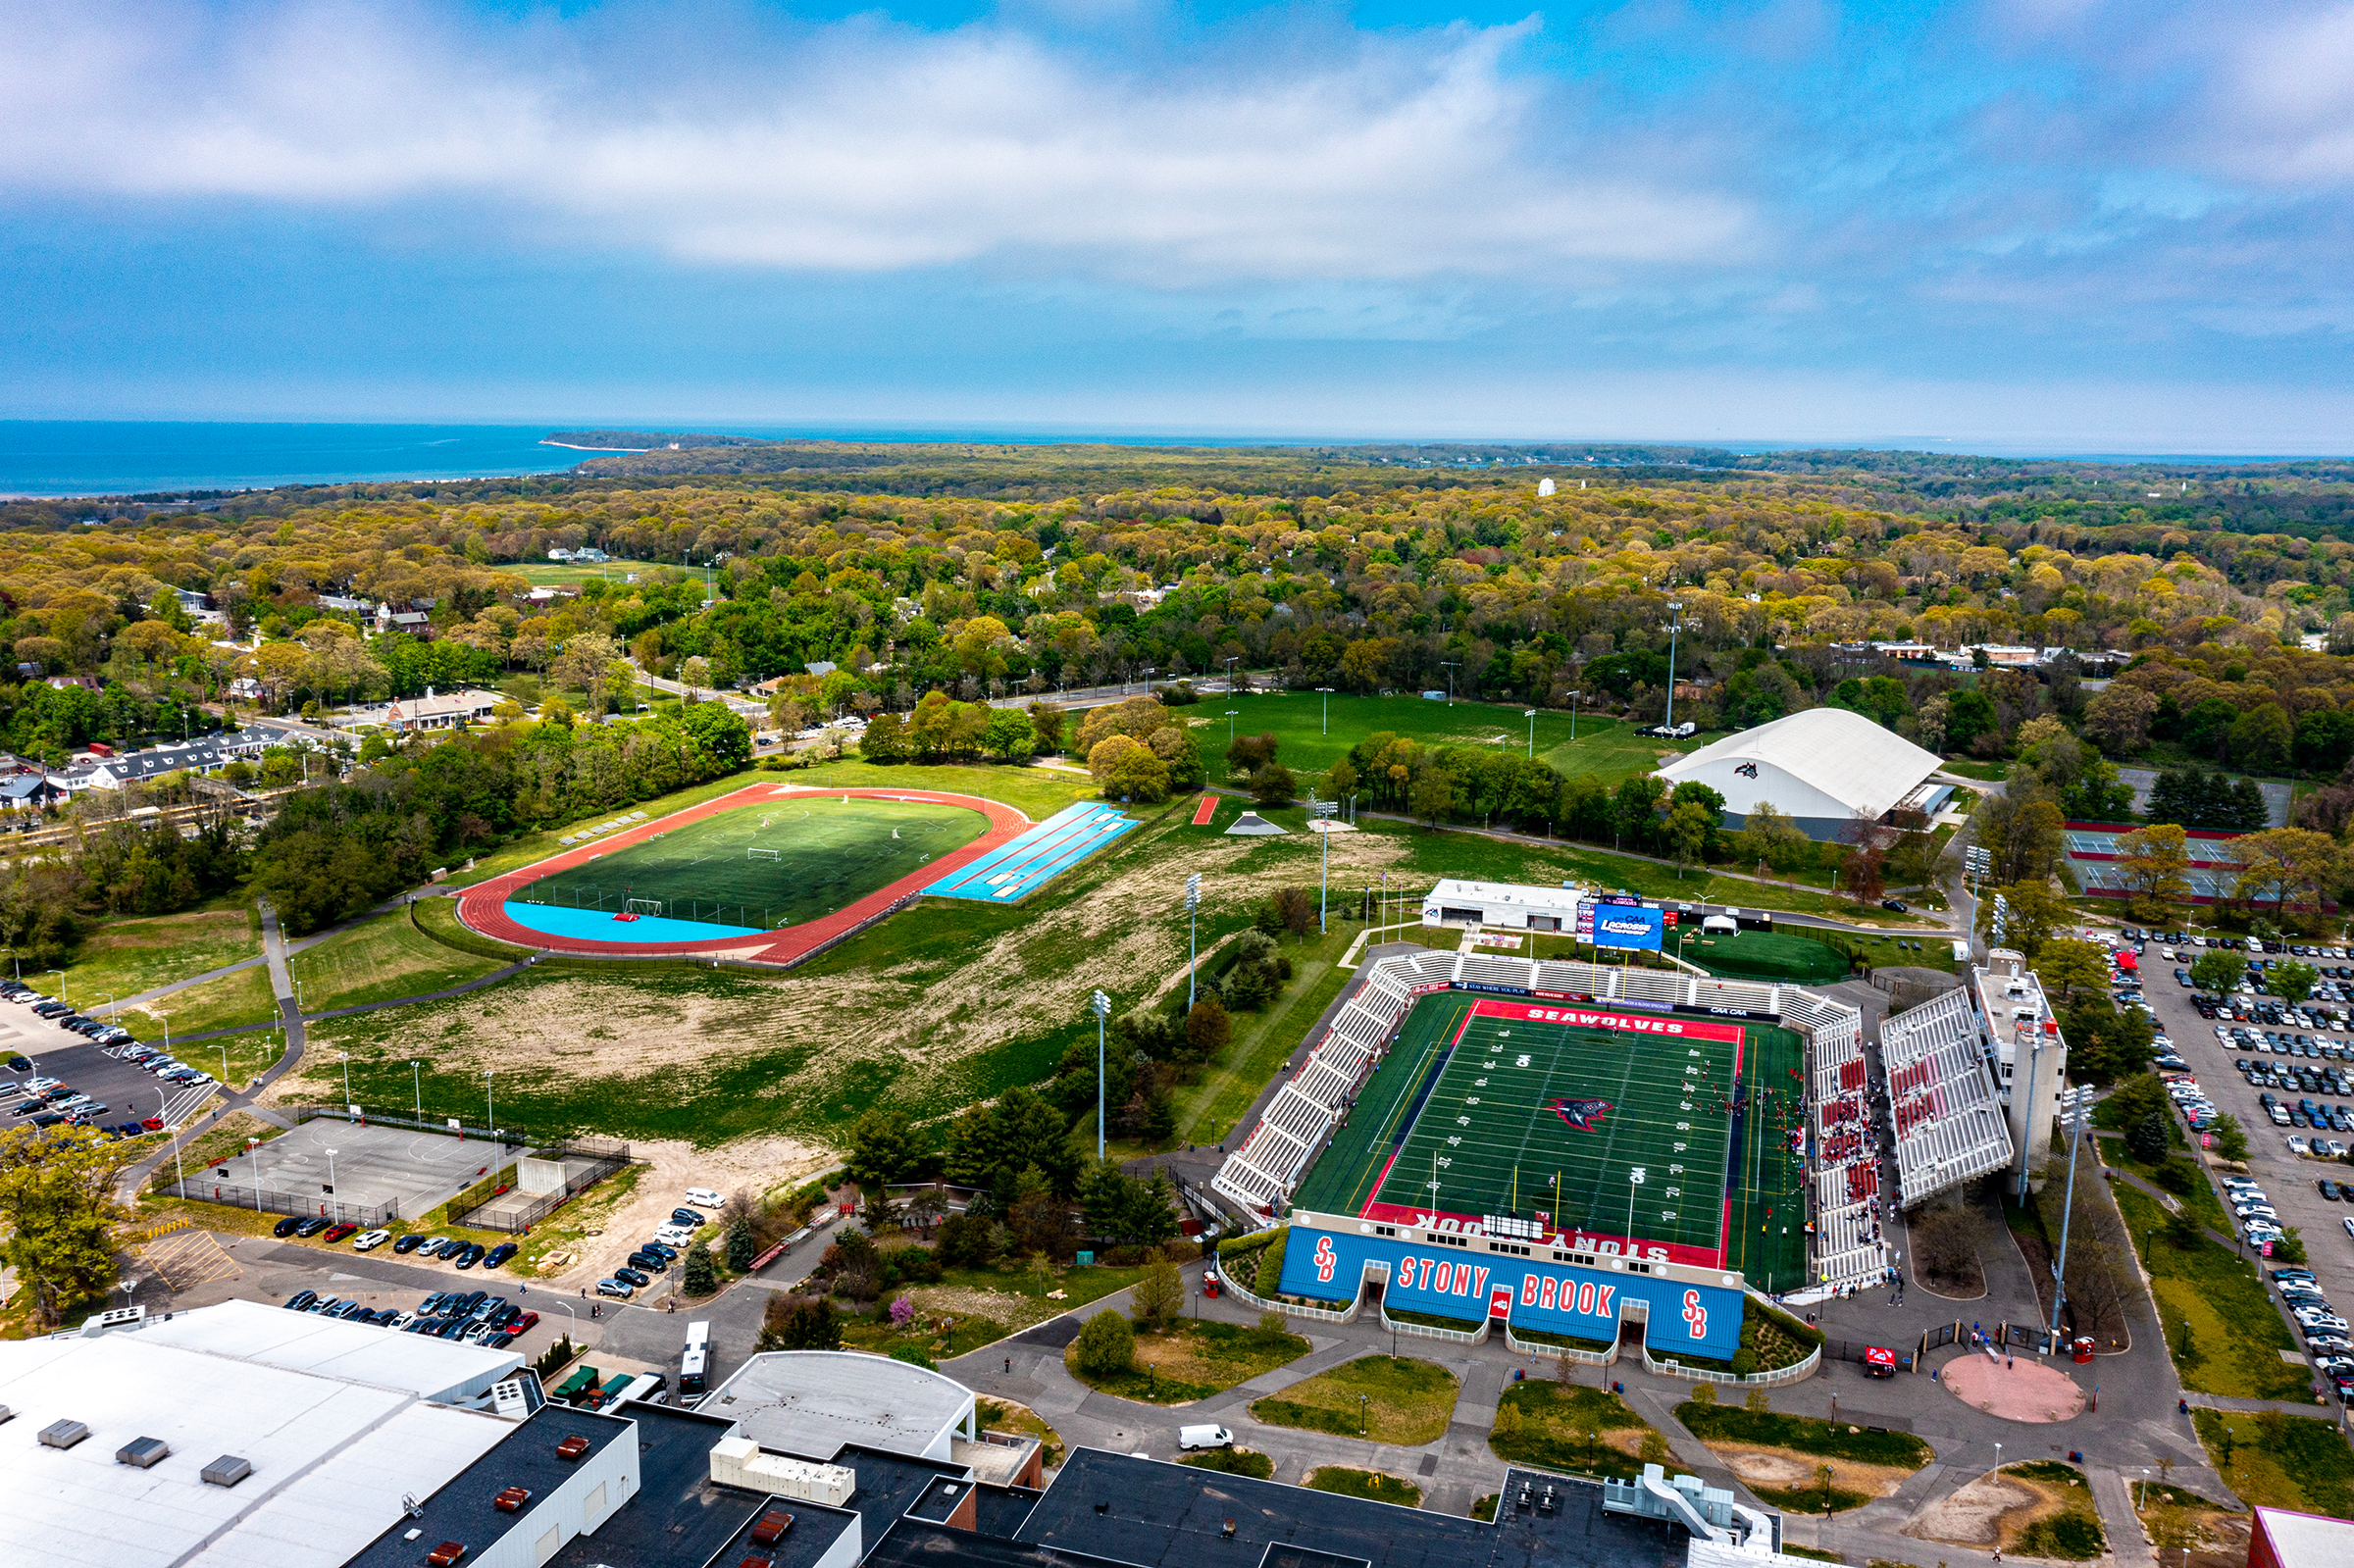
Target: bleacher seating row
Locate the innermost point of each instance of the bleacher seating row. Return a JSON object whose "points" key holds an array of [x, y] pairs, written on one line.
{"points": [[1950, 1126], [1846, 1174]]}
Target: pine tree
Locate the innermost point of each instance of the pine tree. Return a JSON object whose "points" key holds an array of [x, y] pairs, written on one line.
{"points": [[700, 1277]]}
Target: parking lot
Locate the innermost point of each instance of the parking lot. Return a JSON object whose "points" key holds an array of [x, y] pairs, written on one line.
{"points": [[128, 1091], [2288, 1180]]}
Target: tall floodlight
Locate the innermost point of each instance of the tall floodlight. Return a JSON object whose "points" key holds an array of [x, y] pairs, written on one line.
{"points": [[1327, 690], [1452, 667], [1323, 811], [1101, 1005], [1530, 714], [1573, 696], [1675, 611], [489, 1107], [1193, 905], [2080, 1115], [1230, 713]]}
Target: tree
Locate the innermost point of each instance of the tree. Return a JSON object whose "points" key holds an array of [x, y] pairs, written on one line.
{"points": [[2291, 980], [2218, 970], [2118, 719], [990, 1143], [1687, 830], [743, 1245], [2285, 863], [2070, 969], [1968, 716], [1159, 1295], [2147, 1138], [1207, 1028], [1040, 1218], [1045, 726], [2231, 1138], [1249, 753], [57, 1206], [1770, 838], [882, 1148], [1011, 735], [885, 739], [698, 1276], [967, 1241], [2156, 862], [2032, 913], [1273, 786], [1106, 1345], [1432, 796]]}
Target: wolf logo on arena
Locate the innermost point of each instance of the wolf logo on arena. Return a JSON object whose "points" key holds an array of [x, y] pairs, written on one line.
{"points": [[1584, 1115]]}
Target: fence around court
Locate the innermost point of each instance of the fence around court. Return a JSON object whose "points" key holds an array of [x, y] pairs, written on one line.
{"points": [[601, 1157], [229, 1194]]}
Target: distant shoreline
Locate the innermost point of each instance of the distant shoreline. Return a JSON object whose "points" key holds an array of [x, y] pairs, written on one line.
{"points": [[574, 446]]}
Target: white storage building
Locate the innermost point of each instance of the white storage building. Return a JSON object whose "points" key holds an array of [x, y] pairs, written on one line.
{"points": [[1502, 903], [1821, 768]]}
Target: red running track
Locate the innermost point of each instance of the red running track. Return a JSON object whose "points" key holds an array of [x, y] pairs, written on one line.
{"points": [[481, 907], [1206, 810]]}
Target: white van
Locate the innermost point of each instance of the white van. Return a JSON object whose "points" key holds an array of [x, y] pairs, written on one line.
{"points": [[1203, 1437], [703, 1197]]}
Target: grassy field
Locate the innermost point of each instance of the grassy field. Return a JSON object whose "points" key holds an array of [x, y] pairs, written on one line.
{"points": [[565, 575], [1193, 1360], [231, 1001], [123, 957], [1724, 1422], [2072, 1532], [1036, 792], [1264, 1042], [767, 864], [378, 960], [1233, 1463], [1391, 1400], [2221, 1328], [1371, 1485], [1559, 1426], [1309, 743], [2281, 1461]]}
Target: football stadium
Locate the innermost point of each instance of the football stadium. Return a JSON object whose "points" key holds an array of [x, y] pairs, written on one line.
{"points": [[1577, 1151]]}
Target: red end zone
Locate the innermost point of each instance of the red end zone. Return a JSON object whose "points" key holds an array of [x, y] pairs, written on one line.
{"points": [[481, 907], [1665, 1024]]}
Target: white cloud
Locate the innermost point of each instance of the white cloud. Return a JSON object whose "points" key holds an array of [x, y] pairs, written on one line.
{"points": [[861, 145]]}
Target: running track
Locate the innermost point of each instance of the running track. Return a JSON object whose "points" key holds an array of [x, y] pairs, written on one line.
{"points": [[481, 907]]}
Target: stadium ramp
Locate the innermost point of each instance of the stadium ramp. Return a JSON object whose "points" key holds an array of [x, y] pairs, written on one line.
{"points": [[1021, 866]]}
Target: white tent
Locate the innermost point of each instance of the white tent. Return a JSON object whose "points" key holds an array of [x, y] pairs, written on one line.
{"points": [[1821, 768]]}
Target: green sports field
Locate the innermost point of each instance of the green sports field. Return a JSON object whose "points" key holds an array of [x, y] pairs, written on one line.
{"points": [[1496, 1109], [767, 865]]}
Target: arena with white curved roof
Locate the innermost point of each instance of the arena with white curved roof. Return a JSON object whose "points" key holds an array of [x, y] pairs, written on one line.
{"points": [[1822, 769]]}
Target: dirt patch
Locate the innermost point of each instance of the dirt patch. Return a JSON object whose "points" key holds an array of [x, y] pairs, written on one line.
{"points": [[2019, 1390], [1787, 1467], [1015, 1312], [1992, 1509], [749, 1164]]}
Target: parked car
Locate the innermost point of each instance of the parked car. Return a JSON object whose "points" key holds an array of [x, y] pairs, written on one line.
{"points": [[688, 1218], [499, 1254], [615, 1287], [301, 1299], [337, 1233], [703, 1197], [313, 1225], [633, 1276], [408, 1243], [371, 1242], [286, 1227]]}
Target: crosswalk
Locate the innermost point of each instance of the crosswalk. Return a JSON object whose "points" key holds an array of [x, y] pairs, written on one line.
{"points": [[187, 1259]]}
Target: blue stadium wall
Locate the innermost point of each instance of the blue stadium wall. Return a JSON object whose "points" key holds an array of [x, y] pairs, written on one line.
{"points": [[1555, 1297]]}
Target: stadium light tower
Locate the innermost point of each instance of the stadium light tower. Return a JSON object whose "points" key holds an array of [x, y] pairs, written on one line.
{"points": [[1452, 667], [1530, 714], [1193, 905], [1101, 1005], [1675, 613], [1327, 690], [1230, 713], [1573, 696], [1322, 811]]}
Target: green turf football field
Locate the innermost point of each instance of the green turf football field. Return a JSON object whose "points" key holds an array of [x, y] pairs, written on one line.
{"points": [[1485, 1127], [826, 854]]}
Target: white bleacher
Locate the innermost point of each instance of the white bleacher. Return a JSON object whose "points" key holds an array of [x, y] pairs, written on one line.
{"points": [[1950, 1126]]}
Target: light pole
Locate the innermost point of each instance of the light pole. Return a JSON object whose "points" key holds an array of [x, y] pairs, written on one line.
{"points": [[1230, 713], [346, 1059], [1327, 690], [331, 1183], [1675, 611], [253, 1148], [1452, 667], [178, 1168], [2083, 1113], [1530, 714], [1322, 811], [61, 983], [1573, 696], [1192, 904], [1101, 1005], [1230, 676], [417, 1082], [489, 1107]]}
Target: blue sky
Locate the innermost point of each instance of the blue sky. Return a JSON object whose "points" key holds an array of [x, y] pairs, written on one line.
{"points": [[2068, 223]]}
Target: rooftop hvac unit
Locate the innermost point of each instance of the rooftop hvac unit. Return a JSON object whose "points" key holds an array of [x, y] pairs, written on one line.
{"points": [[227, 1471], [144, 1452], [63, 1434]]}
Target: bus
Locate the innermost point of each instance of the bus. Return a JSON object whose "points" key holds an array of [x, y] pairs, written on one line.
{"points": [[695, 1363]]}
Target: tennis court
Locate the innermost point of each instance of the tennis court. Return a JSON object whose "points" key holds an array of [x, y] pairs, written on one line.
{"points": [[761, 866], [1543, 1111]]}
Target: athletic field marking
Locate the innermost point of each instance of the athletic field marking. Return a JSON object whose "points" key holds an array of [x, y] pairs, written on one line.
{"points": [[1206, 810]]}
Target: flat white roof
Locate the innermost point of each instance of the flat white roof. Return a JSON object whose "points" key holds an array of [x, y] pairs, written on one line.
{"points": [[2305, 1539], [1502, 894], [298, 1341], [330, 1458], [811, 1403]]}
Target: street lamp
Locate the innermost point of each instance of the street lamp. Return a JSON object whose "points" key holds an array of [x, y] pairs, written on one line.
{"points": [[1323, 812], [330, 1182], [1675, 610], [346, 1056], [1530, 714], [1230, 713], [1573, 696], [417, 1082], [253, 1148], [489, 1108], [1192, 904], [1361, 1414], [1327, 690], [1101, 1005], [1452, 667]]}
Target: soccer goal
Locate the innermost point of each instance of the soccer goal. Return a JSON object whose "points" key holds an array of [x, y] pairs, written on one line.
{"points": [[760, 854], [641, 907]]}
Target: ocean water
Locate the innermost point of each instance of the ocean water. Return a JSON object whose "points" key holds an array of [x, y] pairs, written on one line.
{"points": [[79, 457]]}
